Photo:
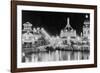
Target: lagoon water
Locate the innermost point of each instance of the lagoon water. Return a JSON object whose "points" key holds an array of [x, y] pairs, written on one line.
{"points": [[57, 56]]}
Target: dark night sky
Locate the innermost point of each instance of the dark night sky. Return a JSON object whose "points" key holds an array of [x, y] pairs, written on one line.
{"points": [[53, 22]]}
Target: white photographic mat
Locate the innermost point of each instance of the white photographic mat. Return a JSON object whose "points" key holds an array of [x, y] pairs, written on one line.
{"points": [[21, 8]]}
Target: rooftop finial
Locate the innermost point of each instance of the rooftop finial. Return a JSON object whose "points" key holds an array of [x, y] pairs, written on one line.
{"points": [[86, 16]]}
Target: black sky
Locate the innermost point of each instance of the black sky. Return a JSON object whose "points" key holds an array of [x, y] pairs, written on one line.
{"points": [[53, 22]]}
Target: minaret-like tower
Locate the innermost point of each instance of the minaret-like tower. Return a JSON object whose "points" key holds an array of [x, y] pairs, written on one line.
{"points": [[86, 27]]}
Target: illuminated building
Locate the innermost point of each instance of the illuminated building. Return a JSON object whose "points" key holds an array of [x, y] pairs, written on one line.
{"points": [[86, 28], [27, 26]]}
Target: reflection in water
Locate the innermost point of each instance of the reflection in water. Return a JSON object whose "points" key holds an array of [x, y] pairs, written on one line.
{"points": [[56, 56]]}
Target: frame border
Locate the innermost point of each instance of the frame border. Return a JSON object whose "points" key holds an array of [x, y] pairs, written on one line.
{"points": [[14, 35]]}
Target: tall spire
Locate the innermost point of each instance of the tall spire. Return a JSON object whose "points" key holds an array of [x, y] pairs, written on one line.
{"points": [[68, 23], [68, 20], [68, 26]]}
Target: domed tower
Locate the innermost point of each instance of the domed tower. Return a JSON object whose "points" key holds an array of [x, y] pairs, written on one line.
{"points": [[86, 27], [27, 26]]}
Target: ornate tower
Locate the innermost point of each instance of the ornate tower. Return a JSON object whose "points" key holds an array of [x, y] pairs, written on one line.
{"points": [[86, 27], [27, 26], [68, 26], [68, 31]]}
